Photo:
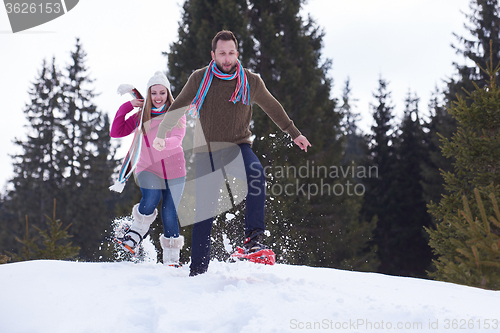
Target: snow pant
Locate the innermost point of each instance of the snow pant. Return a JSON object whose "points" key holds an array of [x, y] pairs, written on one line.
{"points": [[156, 188], [208, 196]]}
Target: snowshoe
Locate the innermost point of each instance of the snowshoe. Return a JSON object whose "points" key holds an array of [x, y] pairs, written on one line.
{"points": [[264, 256], [174, 264], [127, 242]]}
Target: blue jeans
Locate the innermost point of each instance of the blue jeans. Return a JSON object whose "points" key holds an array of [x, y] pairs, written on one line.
{"points": [[255, 198], [153, 190]]}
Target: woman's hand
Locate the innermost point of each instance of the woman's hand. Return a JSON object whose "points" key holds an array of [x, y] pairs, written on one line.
{"points": [[137, 103]]}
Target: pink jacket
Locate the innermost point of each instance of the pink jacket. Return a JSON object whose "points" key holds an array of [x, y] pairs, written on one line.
{"points": [[168, 163]]}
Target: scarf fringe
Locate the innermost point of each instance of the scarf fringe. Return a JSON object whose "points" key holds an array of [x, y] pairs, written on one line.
{"points": [[118, 187], [125, 88], [132, 158], [128, 88]]}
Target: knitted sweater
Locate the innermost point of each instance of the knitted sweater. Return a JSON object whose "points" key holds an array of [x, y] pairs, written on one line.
{"points": [[167, 164], [220, 119]]}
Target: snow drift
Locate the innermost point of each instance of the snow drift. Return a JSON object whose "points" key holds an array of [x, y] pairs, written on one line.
{"points": [[62, 297]]}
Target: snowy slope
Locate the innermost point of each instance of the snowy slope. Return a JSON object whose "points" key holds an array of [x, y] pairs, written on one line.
{"points": [[63, 297]]}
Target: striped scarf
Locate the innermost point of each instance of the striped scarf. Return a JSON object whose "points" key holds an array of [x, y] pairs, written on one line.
{"points": [[155, 112], [131, 159], [241, 92]]}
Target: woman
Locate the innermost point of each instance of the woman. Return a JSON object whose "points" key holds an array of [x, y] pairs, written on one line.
{"points": [[160, 175]]}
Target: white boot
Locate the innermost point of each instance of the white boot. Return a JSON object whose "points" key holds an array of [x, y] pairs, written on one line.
{"points": [[171, 249], [138, 229]]}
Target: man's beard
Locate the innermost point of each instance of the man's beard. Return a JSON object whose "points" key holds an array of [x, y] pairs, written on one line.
{"points": [[221, 68]]}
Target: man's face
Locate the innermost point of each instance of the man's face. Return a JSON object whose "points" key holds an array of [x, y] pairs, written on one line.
{"points": [[225, 55]]}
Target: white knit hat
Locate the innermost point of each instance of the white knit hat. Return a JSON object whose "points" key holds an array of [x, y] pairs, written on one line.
{"points": [[159, 78]]}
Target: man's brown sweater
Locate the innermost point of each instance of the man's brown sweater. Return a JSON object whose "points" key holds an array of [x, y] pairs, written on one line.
{"points": [[222, 120]]}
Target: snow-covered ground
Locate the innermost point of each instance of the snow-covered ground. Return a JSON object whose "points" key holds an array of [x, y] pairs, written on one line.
{"points": [[71, 297]]}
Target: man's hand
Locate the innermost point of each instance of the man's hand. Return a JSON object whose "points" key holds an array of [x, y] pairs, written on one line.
{"points": [[302, 142], [159, 144]]}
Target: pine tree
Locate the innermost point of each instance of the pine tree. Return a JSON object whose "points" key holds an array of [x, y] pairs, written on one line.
{"points": [[29, 246], [88, 158], [476, 261], [355, 155], [441, 124], [476, 148], [80, 118], [4, 259], [409, 253], [201, 20], [376, 206], [37, 175], [484, 27], [356, 145], [55, 243]]}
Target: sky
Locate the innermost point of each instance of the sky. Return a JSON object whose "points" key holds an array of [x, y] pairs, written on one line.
{"points": [[408, 43]]}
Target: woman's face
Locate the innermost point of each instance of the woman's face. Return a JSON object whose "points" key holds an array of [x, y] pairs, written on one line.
{"points": [[159, 95]]}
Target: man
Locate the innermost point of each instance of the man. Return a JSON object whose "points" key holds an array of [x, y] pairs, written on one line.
{"points": [[221, 96]]}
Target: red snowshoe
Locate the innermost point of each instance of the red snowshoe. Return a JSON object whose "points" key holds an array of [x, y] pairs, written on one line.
{"points": [[264, 256]]}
